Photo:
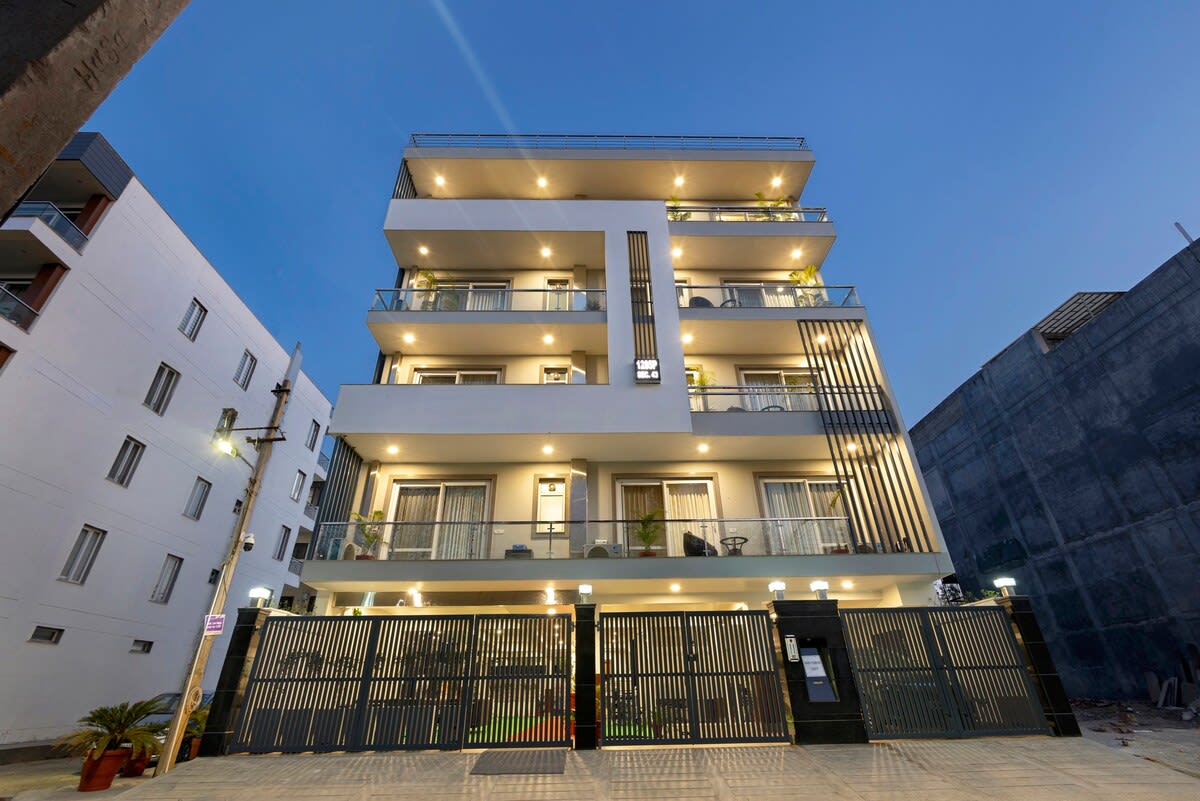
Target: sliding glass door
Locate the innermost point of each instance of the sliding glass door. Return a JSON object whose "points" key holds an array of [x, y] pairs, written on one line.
{"points": [[443, 520], [688, 505], [808, 516]]}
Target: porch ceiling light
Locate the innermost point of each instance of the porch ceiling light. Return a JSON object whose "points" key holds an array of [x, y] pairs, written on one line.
{"points": [[542, 182], [547, 449], [546, 252], [777, 182], [702, 447], [687, 339], [852, 447], [678, 180], [392, 450], [409, 338], [847, 584], [439, 180], [822, 339], [552, 611], [675, 588], [797, 253], [548, 339], [676, 252], [423, 250]]}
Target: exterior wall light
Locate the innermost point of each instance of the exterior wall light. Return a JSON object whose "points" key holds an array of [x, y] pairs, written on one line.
{"points": [[777, 587], [821, 588], [1005, 584]]}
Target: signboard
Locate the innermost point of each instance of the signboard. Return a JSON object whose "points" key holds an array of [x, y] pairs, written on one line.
{"points": [[813, 667], [213, 625], [815, 678], [646, 370]]}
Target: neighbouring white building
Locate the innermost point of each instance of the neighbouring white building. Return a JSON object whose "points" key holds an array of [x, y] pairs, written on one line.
{"points": [[120, 346]]}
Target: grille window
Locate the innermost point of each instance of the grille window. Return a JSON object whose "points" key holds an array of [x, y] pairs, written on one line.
{"points": [[83, 555], [161, 389], [46, 634], [126, 462], [193, 318], [245, 370], [166, 579], [196, 501]]}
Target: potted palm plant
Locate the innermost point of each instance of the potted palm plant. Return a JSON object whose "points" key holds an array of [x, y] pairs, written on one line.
{"points": [[649, 531], [370, 531], [107, 736]]}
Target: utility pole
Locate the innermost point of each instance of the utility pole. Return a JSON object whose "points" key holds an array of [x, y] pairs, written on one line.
{"points": [[190, 697]]}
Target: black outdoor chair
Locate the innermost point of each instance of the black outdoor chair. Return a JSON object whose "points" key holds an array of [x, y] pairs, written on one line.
{"points": [[700, 303], [694, 546]]}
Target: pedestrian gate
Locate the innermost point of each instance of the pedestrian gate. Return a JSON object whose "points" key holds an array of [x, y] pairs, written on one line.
{"points": [[940, 672], [689, 677], [408, 682]]}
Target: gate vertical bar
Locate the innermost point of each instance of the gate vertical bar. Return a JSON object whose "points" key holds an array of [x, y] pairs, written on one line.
{"points": [[355, 740]]}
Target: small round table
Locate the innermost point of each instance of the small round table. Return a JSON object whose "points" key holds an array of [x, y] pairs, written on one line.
{"points": [[733, 545]]}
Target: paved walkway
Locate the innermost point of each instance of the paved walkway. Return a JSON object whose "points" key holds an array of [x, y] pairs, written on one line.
{"points": [[1028, 769]]}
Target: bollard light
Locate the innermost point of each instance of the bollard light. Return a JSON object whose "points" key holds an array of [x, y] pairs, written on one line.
{"points": [[585, 593], [1005, 585], [777, 587], [821, 588]]}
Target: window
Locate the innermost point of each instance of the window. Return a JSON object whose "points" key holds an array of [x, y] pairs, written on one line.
{"points": [[785, 389], [438, 520], [161, 389], [314, 434], [6, 353], [83, 555], [556, 375], [808, 516], [551, 507], [558, 294], [126, 462], [141, 646], [166, 579], [214, 576], [298, 485], [46, 634], [195, 503], [193, 318], [451, 375], [285, 534], [245, 370]]}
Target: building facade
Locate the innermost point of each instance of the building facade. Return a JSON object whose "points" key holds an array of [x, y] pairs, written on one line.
{"points": [[120, 347], [598, 349], [1071, 462]]}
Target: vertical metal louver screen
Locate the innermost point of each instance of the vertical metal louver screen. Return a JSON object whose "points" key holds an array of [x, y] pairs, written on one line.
{"points": [[404, 189], [867, 448], [645, 339], [340, 482]]}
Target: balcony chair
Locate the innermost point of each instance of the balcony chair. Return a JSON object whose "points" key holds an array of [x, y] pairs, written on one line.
{"points": [[694, 546], [700, 303]]}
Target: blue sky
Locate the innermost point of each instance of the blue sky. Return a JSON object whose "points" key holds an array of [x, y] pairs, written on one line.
{"points": [[981, 161]]}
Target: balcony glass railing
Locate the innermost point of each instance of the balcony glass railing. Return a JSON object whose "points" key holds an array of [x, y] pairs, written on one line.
{"points": [[792, 214], [608, 142], [766, 295], [592, 539], [15, 310], [483, 299], [783, 398], [51, 216]]}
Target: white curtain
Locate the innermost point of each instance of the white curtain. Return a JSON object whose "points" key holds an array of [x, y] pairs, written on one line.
{"points": [[790, 499], [637, 501], [829, 500], [462, 537], [416, 506], [690, 501], [762, 395], [488, 297]]}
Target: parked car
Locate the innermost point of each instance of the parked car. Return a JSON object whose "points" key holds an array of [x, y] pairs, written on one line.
{"points": [[168, 703]]}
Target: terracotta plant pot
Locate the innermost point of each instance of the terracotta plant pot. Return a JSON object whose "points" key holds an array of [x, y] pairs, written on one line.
{"points": [[98, 774], [647, 553], [136, 765], [363, 557], [194, 749]]}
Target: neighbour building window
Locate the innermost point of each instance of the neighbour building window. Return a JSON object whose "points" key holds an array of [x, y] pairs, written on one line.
{"points": [[126, 462], [83, 555], [161, 389], [451, 375], [5, 354], [245, 370], [314, 433], [298, 485], [195, 503], [193, 318], [46, 634], [141, 646], [166, 579], [281, 544]]}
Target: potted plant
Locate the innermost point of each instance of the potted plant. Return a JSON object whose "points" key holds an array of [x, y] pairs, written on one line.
{"points": [[106, 738], [810, 279], [196, 723], [673, 212], [648, 531], [370, 531], [427, 282]]}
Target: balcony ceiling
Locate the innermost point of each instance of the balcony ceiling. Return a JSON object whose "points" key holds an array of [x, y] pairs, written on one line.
{"points": [[501, 250], [606, 174], [755, 245], [736, 332], [489, 333], [26, 243], [67, 182]]}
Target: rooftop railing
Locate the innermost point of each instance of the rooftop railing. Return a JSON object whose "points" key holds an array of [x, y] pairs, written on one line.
{"points": [[783, 398], [607, 142], [592, 539], [766, 295], [793, 214], [58, 222], [483, 299], [15, 310]]}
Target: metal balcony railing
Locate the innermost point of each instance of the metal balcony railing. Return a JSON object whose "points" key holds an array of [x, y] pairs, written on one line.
{"points": [[51, 216], [792, 214], [295, 566], [782, 398], [591, 539], [310, 511], [607, 142], [766, 295], [15, 310], [482, 299], [323, 461]]}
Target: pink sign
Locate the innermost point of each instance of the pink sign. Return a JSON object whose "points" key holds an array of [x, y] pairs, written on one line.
{"points": [[213, 624]]}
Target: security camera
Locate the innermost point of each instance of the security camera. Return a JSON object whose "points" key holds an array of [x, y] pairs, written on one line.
{"points": [[247, 542]]}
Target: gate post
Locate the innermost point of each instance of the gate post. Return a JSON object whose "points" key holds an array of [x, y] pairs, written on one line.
{"points": [[243, 643], [585, 677], [1040, 664], [816, 625]]}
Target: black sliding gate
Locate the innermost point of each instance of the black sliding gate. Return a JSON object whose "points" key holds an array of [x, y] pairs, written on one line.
{"points": [[941, 672], [408, 682], [689, 677]]}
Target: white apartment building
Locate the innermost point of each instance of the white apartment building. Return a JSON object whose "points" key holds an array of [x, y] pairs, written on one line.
{"points": [[120, 347], [604, 347]]}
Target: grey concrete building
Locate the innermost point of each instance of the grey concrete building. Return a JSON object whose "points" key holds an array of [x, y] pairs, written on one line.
{"points": [[1071, 461]]}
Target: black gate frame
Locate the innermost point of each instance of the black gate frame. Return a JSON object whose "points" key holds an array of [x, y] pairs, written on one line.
{"points": [[941, 672], [678, 666], [369, 683]]}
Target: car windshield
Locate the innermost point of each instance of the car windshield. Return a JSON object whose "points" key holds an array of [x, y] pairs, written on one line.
{"points": [[167, 701]]}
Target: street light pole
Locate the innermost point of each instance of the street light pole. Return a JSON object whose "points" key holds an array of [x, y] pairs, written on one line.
{"points": [[189, 699]]}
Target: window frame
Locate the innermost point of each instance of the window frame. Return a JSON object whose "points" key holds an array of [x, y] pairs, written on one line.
{"points": [[248, 364], [458, 373], [172, 566], [162, 389], [298, 485], [200, 481], [136, 647], [190, 325], [314, 435], [83, 555], [284, 537], [125, 466], [54, 639]]}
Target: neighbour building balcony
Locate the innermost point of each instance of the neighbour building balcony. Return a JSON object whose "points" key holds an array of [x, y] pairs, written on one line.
{"points": [[15, 310], [55, 219], [766, 295], [593, 539], [483, 298], [323, 461]]}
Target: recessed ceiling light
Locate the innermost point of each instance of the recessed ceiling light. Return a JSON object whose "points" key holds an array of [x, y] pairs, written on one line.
{"points": [[675, 588], [702, 447], [439, 180], [409, 339], [852, 447], [676, 252], [686, 339], [776, 182], [392, 450], [822, 339], [847, 584], [547, 449], [797, 253], [546, 252], [548, 339], [552, 611], [424, 251], [679, 180], [542, 183]]}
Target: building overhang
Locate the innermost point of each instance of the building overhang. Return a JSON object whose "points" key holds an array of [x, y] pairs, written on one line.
{"points": [[490, 333], [756, 245]]}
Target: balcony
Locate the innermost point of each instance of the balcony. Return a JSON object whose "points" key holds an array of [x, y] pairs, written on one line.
{"points": [[15, 310], [784, 398], [489, 299], [766, 295], [726, 236], [746, 214], [55, 219]]}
